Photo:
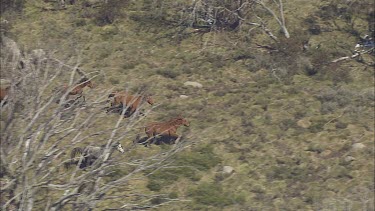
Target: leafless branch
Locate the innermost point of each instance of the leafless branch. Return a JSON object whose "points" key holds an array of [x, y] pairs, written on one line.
{"points": [[40, 135]]}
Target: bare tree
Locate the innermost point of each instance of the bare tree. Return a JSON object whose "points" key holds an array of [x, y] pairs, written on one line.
{"points": [[234, 14], [280, 17], [37, 136]]}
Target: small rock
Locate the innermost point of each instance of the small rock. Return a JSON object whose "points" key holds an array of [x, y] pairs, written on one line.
{"points": [[228, 169], [304, 123], [349, 158], [193, 84], [183, 96], [358, 146]]}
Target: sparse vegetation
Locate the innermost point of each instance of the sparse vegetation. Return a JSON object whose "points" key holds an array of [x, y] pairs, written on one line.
{"points": [[273, 107]]}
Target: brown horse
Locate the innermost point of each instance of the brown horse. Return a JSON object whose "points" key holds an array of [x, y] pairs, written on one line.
{"points": [[78, 88], [132, 102], [168, 128]]}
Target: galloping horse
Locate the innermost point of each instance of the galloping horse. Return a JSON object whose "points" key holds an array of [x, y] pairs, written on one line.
{"points": [[168, 128], [123, 99], [78, 88], [90, 154]]}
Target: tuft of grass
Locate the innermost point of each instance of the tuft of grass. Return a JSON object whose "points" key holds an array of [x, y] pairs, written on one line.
{"points": [[213, 194], [188, 166]]}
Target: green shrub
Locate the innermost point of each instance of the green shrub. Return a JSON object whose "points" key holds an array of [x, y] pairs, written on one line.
{"points": [[157, 200], [214, 195], [12, 5], [108, 12], [335, 98], [129, 65], [165, 177], [292, 170], [154, 185], [189, 162], [79, 22], [285, 124], [203, 159], [113, 80], [317, 126], [312, 25], [315, 148], [173, 195], [168, 73]]}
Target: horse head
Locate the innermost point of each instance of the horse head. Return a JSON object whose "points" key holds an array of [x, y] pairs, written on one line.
{"points": [[149, 100], [182, 121], [185, 123], [90, 84], [86, 82]]}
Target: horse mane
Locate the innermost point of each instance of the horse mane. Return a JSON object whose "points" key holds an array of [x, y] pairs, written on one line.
{"points": [[174, 120]]}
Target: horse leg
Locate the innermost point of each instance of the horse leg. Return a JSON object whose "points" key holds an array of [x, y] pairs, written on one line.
{"points": [[173, 137], [154, 138]]}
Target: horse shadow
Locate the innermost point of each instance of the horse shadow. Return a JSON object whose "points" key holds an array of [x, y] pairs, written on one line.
{"points": [[158, 140], [76, 102], [119, 109]]}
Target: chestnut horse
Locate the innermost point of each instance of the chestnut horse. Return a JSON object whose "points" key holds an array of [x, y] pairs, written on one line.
{"points": [[168, 128], [123, 99], [78, 88]]}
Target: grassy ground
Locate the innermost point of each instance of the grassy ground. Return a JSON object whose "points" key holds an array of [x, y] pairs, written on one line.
{"points": [[288, 136]]}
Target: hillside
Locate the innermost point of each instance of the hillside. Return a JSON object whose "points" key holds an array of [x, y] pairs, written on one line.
{"points": [[297, 128]]}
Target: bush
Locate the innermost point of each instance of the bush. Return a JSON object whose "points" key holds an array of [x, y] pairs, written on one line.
{"points": [[291, 171], [107, 13], [113, 80], [335, 98], [203, 159], [214, 195], [167, 73], [11, 5]]}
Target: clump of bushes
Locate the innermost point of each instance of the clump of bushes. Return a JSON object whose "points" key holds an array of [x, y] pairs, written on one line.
{"points": [[104, 12], [334, 98], [189, 165], [11, 5], [167, 73], [214, 195], [203, 159], [114, 81], [109, 12]]}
